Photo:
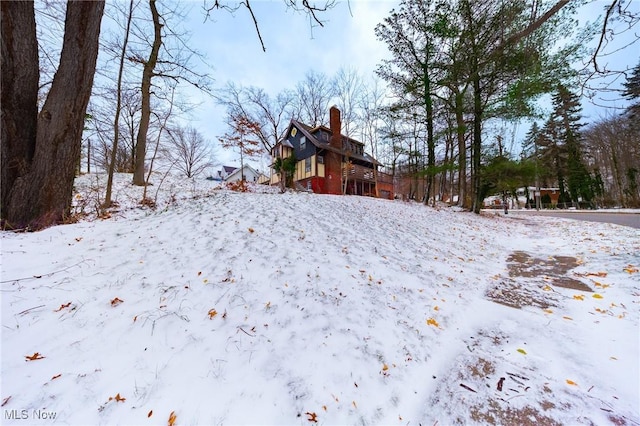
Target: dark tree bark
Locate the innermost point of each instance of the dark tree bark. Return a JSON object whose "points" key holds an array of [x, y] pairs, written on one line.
{"points": [[116, 120], [147, 75], [19, 95], [41, 196]]}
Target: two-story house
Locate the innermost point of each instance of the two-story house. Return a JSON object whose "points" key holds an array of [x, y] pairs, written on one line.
{"points": [[329, 162]]}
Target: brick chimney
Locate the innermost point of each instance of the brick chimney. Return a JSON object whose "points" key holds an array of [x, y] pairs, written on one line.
{"points": [[335, 125]]}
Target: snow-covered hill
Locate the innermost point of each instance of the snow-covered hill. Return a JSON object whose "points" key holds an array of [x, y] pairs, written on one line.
{"points": [[221, 307]]}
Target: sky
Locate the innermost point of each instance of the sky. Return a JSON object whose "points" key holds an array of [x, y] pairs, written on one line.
{"points": [[261, 308], [293, 47]]}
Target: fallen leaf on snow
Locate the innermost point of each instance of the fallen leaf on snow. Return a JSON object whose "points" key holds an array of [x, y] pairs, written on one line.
{"points": [[312, 417], [63, 306], [631, 269], [568, 318], [251, 230], [597, 296], [433, 322], [385, 367], [116, 301], [34, 357], [212, 313], [118, 398], [548, 311], [172, 418], [522, 351], [56, 376], [150, 414], [571, 382], [578, 296], [547, 288], [4, 401]]}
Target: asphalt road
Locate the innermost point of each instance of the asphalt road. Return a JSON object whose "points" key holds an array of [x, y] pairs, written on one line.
{"points": [[625, 219]]}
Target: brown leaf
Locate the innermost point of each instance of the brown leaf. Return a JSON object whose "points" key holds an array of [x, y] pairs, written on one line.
{"points": [[4, 401], [172, 418], [63, 306], [150, 414], [212, 313], [56, 376], [500, 382], [118, 398], [312, 417], [34, 357], [251, 230], [116, 301]]}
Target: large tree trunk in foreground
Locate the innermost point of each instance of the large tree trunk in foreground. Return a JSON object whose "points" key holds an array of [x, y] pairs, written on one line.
{"points": [[42, 196], [20, 74]]}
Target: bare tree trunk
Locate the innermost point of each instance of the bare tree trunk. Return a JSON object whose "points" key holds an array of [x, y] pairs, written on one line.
{"points": [[19, 95], [116, 120], [145, 117], [42, 196], [462, 153]]}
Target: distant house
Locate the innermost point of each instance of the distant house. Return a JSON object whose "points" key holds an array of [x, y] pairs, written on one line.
{"points": [[226, 171], [329, 162], [248, 172]]}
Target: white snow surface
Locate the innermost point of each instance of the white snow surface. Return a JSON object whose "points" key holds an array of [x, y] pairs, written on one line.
{"points": [[221, 307]]}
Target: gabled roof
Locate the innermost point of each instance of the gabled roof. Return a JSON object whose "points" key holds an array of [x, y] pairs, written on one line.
{"points": [[238, 170], [229, 169], [310, 132]]}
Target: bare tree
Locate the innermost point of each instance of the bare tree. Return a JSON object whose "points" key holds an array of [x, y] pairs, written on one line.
{"points": [[190, 151], [312, 98], [116, 120], [169, 59], [239, 138], [312, 10], [371, 100], [271, 114], [348, 87], [42, 149]]}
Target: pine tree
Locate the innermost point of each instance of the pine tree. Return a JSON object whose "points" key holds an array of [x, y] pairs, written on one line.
{"points": [[566, 120], [632, 92]]}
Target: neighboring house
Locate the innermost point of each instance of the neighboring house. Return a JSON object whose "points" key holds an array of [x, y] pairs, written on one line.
{"points": [[329, 162], [495, 201], [225, 172], [250, 174]]}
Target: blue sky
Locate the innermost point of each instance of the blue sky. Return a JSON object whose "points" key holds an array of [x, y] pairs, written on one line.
{"points": [[347, 39]]}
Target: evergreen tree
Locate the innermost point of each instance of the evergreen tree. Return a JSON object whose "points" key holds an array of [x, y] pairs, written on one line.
{"points": [[553, 159], [566, 120], [632, 92]]}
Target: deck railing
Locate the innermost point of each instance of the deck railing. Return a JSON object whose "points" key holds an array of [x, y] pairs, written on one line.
{"points": [[358, 172]]}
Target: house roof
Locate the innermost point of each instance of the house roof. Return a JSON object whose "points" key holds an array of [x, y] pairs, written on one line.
{"points": [[229, 169], [309, 132], [245, 168]]}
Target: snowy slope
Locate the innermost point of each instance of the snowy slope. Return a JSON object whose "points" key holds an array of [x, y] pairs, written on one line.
{"points": [[221, 307]]}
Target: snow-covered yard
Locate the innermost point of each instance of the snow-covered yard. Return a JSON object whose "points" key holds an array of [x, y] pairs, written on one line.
{"points": [[220, 307]]}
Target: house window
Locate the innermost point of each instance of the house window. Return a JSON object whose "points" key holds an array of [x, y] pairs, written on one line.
{"points": [[320, 159], [303, 143], [307, 165]]}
